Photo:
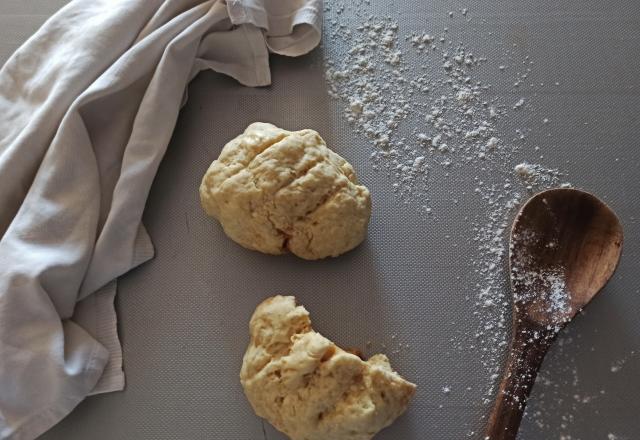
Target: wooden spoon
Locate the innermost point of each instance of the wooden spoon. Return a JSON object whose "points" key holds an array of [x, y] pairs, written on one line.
{"points": [[565, 245]]}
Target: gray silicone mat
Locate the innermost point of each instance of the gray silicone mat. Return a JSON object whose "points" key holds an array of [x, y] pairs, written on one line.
{"points": [[184, 315]]}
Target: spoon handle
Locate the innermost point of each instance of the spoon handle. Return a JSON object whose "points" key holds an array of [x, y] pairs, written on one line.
{"points": [[529, 345]]}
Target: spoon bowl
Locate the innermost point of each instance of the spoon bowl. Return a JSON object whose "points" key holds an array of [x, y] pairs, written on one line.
{"points": [[565, 246]]}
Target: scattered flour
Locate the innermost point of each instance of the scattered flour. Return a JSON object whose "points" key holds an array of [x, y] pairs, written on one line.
{"points": [[537, 178], [423, 84], [431, 120], [616, 366], [539, 288], [426, 88], [545, 287]]}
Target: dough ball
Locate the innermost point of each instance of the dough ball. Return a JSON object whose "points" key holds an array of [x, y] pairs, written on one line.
{"points": [[275, 191], [309, 388]]}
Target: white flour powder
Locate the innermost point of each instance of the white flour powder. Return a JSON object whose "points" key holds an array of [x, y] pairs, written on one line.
{"points": [[430, 120]]}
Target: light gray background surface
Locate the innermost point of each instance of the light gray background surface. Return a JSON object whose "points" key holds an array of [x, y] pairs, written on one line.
{"points": [[184, 315]]}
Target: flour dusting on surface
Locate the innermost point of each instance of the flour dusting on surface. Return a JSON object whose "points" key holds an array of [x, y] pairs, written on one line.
{"points": [[418, 98], [431, 120]]}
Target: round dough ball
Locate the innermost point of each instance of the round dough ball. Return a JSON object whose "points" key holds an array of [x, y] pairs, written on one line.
{"points": [[275, 191], [311, 389]]}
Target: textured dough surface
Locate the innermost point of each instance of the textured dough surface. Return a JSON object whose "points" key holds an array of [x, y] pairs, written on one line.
{"points": [[274, 191], [309, 388]]}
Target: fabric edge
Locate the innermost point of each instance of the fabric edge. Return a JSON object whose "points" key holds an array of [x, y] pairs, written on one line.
{"points": [[40, 422]]}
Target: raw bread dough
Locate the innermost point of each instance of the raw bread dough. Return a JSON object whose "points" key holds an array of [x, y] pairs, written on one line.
{"points": [[275, 190], [309, 388]]}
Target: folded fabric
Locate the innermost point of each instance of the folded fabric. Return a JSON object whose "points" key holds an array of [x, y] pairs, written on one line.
{"points": [[87, 108]]}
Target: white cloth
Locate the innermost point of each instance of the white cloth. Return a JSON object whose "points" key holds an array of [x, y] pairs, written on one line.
{"points": [[87, 108]]}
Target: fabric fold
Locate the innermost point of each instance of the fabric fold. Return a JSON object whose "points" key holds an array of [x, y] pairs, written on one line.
{"points": [[87, 109]]}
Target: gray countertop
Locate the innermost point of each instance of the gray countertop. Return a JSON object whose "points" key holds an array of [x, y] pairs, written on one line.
{"points": [[410, 290]]}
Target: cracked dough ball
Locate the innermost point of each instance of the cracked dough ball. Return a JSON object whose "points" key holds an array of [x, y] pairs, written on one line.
{"points": [[309, 388], [275, 191]]}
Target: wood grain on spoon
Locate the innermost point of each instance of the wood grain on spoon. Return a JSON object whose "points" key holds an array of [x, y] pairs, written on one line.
{"points": [[565, 245]]}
